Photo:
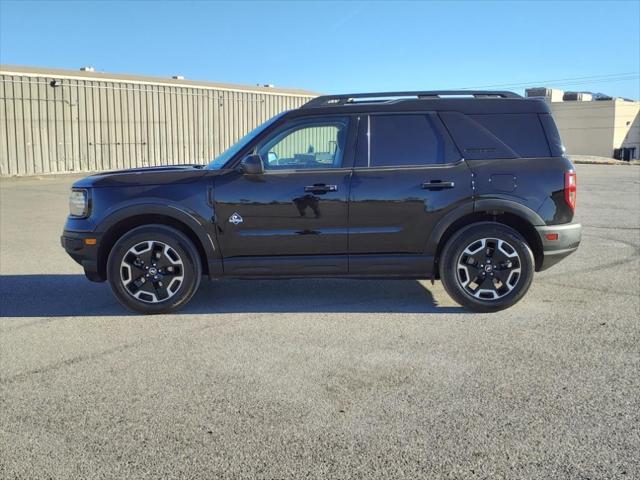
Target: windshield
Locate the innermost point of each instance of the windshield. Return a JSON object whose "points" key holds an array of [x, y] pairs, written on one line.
{"points": [[225, 156]]}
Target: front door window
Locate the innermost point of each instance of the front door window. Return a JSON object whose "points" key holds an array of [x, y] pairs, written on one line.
{"points": [[306, 145]]}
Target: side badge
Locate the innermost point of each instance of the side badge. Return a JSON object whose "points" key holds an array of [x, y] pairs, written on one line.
{"points": [[236, 219]]}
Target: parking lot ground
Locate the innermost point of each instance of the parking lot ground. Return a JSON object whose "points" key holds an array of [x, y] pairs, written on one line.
{"points": [[321, 378]]}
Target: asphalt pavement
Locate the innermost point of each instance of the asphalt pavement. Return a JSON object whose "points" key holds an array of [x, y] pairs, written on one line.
{"points": [[294, 379]]}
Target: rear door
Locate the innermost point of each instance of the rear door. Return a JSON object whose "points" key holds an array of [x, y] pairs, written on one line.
{"points": [[408, 175]]}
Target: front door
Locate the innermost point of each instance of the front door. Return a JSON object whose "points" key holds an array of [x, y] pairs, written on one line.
{"points": [[291, 220], [408, 174]]}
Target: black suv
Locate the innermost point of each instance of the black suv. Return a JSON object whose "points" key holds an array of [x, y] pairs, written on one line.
{"points": [[472, 188]]}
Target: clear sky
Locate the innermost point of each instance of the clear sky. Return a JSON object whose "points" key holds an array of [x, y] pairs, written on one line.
{"points": [[334, 47]]}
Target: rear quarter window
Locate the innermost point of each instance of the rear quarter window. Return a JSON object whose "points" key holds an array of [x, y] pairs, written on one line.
{"points": [[521, 132]]}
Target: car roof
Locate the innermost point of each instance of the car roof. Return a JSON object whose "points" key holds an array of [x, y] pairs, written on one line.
{"points": [[463, 101]]}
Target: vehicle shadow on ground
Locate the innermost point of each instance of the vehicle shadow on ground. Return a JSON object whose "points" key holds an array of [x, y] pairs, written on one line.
{"points": [[74, 295]]}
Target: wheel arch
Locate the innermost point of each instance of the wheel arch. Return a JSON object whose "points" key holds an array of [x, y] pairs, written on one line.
{"points": [[512, 214], [116, 225]]}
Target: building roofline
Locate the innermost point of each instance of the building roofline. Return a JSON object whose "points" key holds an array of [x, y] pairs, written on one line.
{"points": [[19, 70]]}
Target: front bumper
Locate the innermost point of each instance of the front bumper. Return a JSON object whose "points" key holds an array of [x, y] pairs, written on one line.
{"points": [[85, 254], [567, 242]]}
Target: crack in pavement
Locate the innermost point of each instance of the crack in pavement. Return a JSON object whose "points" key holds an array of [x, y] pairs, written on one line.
{"points": [[84, 358]]}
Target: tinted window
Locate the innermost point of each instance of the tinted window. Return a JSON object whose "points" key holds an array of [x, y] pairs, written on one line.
{"points": [[405, 140], [553, 136], [475, 141], [522, 132], [307, 144]]}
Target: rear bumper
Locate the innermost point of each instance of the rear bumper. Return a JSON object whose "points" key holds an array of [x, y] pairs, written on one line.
{"points": [[567, 242], [86, 255]]}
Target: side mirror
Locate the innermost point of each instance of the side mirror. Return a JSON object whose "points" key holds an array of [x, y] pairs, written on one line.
{"points": [[252, 165]]}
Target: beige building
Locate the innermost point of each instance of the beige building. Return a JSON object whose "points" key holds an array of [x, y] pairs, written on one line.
{"points": [[55, 121], [605, 128]]}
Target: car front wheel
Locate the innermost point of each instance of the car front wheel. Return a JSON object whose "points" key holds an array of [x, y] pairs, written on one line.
{"points": [[154, 269], [486, 267]]}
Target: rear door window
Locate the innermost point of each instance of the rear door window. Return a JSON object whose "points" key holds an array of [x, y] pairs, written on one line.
{"points": [[405, 140]]}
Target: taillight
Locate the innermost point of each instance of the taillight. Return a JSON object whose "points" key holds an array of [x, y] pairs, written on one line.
{"points": [[570, 189]]}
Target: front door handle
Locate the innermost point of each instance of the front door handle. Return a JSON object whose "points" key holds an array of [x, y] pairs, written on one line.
{"points": [[321, 188], [437, 185]]}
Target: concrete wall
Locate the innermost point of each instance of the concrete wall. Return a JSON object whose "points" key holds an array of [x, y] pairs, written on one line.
{"points": [[96, 121], [597, 127], [586, 128], [627, 126]]}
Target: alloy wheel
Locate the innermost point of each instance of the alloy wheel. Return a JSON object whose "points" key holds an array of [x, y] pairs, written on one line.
{"points": [[488, 268], [152, 271]]}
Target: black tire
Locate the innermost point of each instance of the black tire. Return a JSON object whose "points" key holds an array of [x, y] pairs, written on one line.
{"points": [[174, 262], [491, 269]]}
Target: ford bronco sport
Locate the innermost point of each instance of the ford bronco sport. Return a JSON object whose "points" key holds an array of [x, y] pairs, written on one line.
{"points": [[470, 187]]}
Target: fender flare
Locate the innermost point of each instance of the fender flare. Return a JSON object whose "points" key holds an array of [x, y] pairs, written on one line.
{"points": [[176, 212], [508, 206], [496, 205]]}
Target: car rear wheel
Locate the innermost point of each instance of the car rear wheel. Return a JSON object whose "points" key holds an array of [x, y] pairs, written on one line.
{"points": [[154, 269], [486, 267]]}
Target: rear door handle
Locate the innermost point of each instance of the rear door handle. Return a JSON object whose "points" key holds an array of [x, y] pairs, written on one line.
{"points": [[437, 185], [321, 188]]}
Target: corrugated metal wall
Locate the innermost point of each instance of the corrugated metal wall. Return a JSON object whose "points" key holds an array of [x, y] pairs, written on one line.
{"points": [[87, 125]]}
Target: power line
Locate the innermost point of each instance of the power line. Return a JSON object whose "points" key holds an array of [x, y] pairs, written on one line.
{"points": [[564, 80], [591, 82]]}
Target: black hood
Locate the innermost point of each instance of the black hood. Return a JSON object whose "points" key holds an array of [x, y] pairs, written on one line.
{"points": [[144, 176]]}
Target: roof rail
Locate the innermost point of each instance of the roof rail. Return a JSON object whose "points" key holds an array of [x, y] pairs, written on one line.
{"points": [[335, 100]]}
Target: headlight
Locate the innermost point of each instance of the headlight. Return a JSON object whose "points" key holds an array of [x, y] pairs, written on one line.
{"points": [[79, 203]]}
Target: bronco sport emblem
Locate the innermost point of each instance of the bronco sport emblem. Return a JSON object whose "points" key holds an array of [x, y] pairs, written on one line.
{"points": [[235, 218]]}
